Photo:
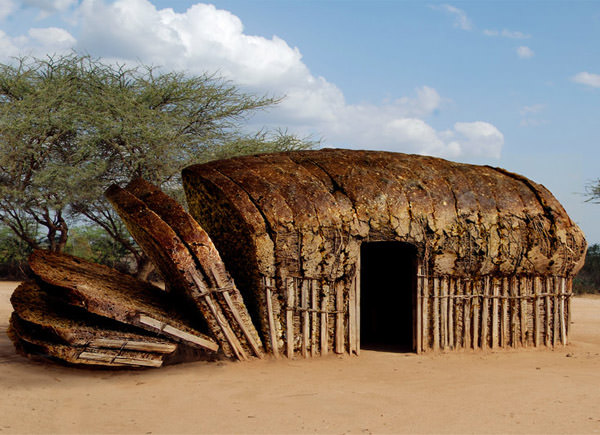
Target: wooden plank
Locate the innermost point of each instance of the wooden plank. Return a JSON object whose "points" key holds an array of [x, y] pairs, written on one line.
{"points": [[313, 317], [536, 310], [548, 287], [451, 310], [419, 316], [485, 312], [289, 284], [271, 318], [495, 316], [324, 319], [523, 287], [172, 331], [555, 320], [444, 312], [467, 313], [563, 327], [101, 357], [305, 317], [143, 346], [242, 325], [436, 313], [504, 319], [339, 317], [476, 290]]}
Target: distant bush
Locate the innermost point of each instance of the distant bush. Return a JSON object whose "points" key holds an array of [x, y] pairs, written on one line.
{"points": [[13, 255], [588, 278]]}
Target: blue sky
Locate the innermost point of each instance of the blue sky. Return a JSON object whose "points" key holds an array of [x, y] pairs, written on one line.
{"points": [[510, 84]]}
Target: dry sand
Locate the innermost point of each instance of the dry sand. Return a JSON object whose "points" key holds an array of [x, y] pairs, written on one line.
{"points": [[519, 391]]}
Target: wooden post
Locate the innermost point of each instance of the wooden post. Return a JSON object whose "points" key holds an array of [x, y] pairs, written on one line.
{"points": [[351, 317], [451, 310], [505, 319], [536, 310], [305, 317], [425, 341], [313, 317], [570, 297], [476, 291], [563, 328], [514, 311], [436, 313], [419, 317], [485, 312], [324, 319], [289, 285], [268, 282], [548, 282], [459, 307], [444, 310], [357, 309], [339, 317], [495, 315], [523, 309], [467, 313], [555, 320]]}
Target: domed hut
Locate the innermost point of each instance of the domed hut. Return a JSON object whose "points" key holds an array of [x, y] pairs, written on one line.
{"points": [[337, 249]]}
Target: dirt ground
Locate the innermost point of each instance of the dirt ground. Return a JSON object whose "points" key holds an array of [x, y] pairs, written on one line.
{"points": [[517, 391]]}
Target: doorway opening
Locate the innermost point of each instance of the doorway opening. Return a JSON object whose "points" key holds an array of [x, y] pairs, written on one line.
{"points": [[388, 283]]}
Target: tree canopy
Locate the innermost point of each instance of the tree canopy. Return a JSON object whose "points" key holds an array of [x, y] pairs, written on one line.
{"points": [[71, 125]]}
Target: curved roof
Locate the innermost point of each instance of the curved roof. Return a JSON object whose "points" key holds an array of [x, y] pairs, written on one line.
{"points": [[320, 205]]}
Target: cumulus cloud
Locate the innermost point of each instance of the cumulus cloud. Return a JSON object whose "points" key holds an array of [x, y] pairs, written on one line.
{"points": [[588, 79], [524, 52], [204, 38], [7, 7], [505, 33], [37, 42], [460, 17]]}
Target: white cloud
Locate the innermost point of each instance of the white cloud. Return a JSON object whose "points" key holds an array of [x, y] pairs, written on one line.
{"points": [[588, 79], [460, 17], [50, 5], [534, 108], [37, 42], [524, 52], [7, 7], [204, 38], [505, 33]]}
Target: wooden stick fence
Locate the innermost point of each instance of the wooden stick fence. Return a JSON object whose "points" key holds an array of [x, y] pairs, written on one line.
{"points": [[491, 312]]}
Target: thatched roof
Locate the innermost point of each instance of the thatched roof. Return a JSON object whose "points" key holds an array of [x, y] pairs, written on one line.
{"points": [[307, 212]]}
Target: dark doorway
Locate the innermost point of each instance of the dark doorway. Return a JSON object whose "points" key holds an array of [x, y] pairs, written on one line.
{"points": [[388, 278]]}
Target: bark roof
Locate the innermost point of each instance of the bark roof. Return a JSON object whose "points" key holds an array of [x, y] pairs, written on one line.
{"points": [[464, 219]]}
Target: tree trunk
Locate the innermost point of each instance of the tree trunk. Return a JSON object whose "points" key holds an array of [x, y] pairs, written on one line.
{"points": [[144, 267]]}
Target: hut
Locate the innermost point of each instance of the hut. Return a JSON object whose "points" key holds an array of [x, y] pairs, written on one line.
{"points": [[336, 249]]}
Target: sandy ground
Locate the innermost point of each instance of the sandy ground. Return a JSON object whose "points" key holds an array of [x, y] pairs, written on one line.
{"points": [[522, 391]]}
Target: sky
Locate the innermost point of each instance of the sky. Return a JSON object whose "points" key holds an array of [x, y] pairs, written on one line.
{"points": [[509, 84]]}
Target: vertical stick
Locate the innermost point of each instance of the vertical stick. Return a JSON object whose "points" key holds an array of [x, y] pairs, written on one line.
{"points": [[569, 298], [504, 320], [514, 310], [339, 317], [357, 308], [476, 307], [523, 309], [536, 310], [436, 313], [495, 316], [563, 327], [268, 282], [459, 306], [451, 308], [288, 283], [425, 340], [351, 318], [305, 317], [444, 310], [485, 312], [419, 317], [313, 317], [548, 285], [324, 319], [555, 320], [468, 292]]}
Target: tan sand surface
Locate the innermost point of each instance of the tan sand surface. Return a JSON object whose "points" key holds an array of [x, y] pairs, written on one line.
{"points": [[519, 391]]}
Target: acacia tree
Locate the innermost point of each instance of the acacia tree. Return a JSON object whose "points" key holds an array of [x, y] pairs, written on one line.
{"points": [[593, 192], [71, 125]]}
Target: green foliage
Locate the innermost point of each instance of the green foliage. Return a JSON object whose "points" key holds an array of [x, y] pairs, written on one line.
{"points": [[588, 278], [72, 125], [593, 192], [13, 254], [93, 243]]}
